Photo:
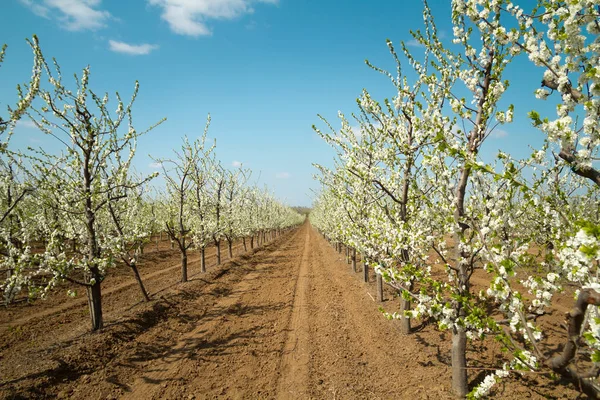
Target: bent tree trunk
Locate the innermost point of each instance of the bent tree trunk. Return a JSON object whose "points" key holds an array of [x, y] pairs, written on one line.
{"points": [[94, 295], [138, 278], [560, 363]]}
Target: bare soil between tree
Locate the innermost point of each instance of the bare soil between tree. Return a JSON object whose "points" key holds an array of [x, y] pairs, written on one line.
{"points": [[288, 321]]}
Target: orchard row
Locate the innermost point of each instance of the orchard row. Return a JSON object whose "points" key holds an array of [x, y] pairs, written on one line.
{"points": [[411, 192], [73, 215]]}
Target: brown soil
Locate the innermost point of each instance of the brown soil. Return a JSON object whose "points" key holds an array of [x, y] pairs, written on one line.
{"points": [[289, 320]]}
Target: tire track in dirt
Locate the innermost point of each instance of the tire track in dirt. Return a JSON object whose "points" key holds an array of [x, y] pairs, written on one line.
{"points": [[228, 340], [293, 380]]}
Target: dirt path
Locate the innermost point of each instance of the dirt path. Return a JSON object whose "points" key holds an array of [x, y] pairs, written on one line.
{"points": [[288, 321], [298, 325], [295, 355]]}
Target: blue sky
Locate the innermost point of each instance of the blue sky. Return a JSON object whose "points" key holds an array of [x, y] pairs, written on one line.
{"points": [[263, 69]]}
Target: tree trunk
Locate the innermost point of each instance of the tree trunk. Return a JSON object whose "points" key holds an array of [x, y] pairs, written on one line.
{"points": [[229, 248], [379, 288], [184, 274], [172, 245], [252, 242], [354, 260], [405, 321], [156, 243], [365, 271], [138, 278], [202, 260], [218, 246], [459, 362], [245, 247], [94, 294]]}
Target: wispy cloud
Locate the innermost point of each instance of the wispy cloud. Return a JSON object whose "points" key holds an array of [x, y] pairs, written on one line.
{"points": [[283, 175], [132, 49], [155, 165], [189, 17], [37, 9], [236, 164], [74, 15], [498, 133], [23, 123], [414, 43]]}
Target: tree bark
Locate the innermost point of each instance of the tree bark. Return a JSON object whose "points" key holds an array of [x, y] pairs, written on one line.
{"points": [[379, 288], [138, 278], [229, 248], [459, 362], [405, 321], [252, 242], [203, 259], [244, 241], [365, 271], [218, 246], [575, 320], [94, 294], [184, 274], [354, 260]]}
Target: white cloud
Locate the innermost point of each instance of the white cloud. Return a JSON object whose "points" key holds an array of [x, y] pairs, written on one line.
{"points": [[498, 133], [133, 49], [74, 15], [155, 165], [236, 164], [37, 9], [24, 123], [188, 17], [283, 175], [414, 43]]}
